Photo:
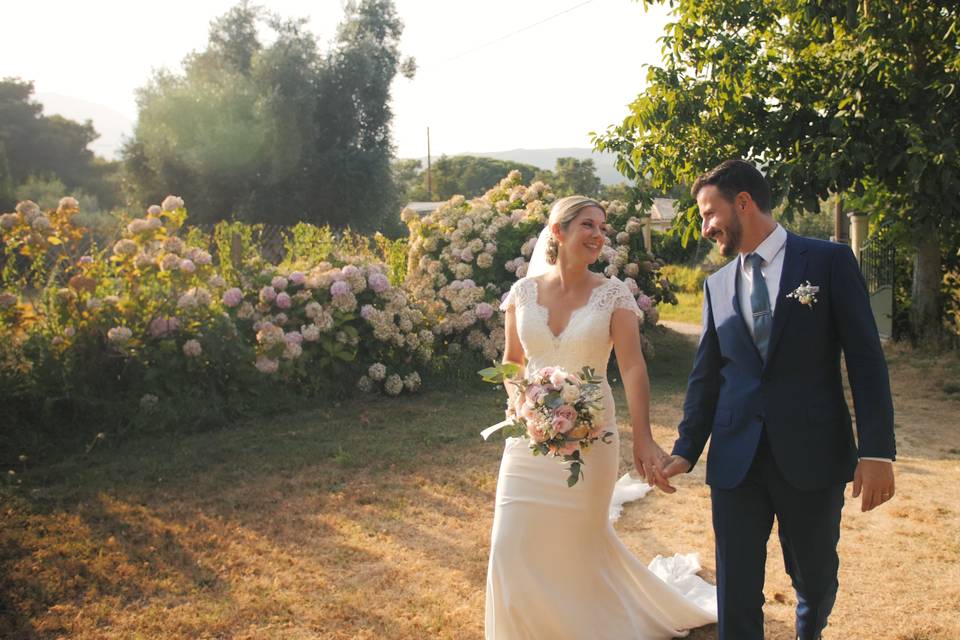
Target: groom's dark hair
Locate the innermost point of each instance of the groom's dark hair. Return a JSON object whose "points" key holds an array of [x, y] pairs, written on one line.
{"points": [[733, 176]]}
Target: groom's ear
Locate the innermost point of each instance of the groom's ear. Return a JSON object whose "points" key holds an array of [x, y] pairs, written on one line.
{"points": [[743, 203]]}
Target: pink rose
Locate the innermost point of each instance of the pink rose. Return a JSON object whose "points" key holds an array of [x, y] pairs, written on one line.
{"points": [[527, 412], [533, 393], [568, 448], [536, 429], [558, 377], [564, 418]]}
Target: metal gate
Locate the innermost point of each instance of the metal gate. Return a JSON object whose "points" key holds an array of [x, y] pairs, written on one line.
{"points": [[878, 264]]}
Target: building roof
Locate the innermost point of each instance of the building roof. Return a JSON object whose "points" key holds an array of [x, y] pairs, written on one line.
{"points": [[662, 209], [424, 207]]}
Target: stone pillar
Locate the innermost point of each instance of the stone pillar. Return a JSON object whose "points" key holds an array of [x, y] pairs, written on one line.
{"points": [[647, 234], [859, 228]]}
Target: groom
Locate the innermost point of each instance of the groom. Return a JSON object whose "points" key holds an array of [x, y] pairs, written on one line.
{"points": [[766, 388]]}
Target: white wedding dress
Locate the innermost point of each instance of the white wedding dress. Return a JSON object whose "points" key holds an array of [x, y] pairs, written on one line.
{"points": [[557, 569]]}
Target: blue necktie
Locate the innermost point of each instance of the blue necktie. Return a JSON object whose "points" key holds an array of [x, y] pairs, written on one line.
{"points": [[760, 305]]}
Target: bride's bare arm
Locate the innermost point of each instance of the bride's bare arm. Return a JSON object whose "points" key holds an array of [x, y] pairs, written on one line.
{"points": [[512, 351], [648, 457]]}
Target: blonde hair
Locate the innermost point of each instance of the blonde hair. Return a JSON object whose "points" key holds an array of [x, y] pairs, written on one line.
{"points": [[563, 212]]}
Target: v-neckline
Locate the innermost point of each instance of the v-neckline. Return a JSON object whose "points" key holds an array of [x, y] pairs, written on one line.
{"points": [[546, 310]]}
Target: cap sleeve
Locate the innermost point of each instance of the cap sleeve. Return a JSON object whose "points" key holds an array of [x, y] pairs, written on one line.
{"points": [[514, 296], [625, 300]]}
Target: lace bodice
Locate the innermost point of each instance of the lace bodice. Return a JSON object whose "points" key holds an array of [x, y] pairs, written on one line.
{"points": [[585, 341]]}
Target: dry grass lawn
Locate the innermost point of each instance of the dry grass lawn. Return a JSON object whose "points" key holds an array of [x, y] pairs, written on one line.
{"points": [[371, 520]]}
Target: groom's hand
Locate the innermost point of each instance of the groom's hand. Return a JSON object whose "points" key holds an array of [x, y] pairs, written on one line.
{"points": [[675, 466], [874, 480]]}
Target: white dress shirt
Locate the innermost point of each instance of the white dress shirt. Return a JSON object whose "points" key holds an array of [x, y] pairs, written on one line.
{"points": [[772, 250]]}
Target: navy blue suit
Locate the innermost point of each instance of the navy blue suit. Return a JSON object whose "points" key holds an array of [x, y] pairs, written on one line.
{"points": [[781, 442]]}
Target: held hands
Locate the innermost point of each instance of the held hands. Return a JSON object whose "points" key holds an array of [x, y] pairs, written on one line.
{"points": [[873, 479], [651, 461]]}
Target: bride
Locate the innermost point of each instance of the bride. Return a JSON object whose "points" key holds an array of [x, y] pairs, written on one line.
{"points": [[557, 569]]}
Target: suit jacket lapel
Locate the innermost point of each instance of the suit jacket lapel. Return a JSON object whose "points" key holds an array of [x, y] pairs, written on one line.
{"points": [[794, 265]]}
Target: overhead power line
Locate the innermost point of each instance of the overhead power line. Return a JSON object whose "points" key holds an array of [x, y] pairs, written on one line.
{"points": [[513, 33]]}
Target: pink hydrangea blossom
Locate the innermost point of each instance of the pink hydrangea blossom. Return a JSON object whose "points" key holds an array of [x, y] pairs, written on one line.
{"points": [[268, 294], [283, 300], [232, 297], [645, 302], [297, 278], [192, 348], [378, 282], [267, 365], [339, 288], [161, 326], [484, 310], [279, 283]]}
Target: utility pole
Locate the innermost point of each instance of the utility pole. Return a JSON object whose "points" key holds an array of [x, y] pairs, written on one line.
{"points": [[839, 222], [429, 173]]}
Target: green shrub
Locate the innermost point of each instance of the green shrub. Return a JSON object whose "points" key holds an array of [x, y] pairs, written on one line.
{"points": [[686, 279]]}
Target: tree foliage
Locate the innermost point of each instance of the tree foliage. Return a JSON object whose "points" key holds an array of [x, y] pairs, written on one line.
{"points": [[855, 98], [278, 132], [38, 147], [472, 176]]}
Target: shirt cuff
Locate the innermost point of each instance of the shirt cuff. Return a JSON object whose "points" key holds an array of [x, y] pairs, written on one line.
{"points": [[878, 459]]}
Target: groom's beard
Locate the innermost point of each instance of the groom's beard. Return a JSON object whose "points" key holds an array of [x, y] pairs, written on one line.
{"points": [[731, 236]]}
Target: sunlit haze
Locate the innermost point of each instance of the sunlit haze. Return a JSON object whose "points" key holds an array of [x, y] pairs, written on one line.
{"points": [[493, 75]]}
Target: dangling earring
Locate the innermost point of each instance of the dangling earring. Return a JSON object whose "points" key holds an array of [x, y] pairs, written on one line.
{"points": [[553, 250]]}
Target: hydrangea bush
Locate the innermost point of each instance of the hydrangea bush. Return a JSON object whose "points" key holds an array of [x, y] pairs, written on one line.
{"points": [[464, 256], [165, 321]]}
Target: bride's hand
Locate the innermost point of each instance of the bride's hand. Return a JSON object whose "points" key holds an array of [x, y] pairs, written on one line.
{"points": [[650, 459]]}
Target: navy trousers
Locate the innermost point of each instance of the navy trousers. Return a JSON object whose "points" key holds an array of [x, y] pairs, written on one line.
{"points": [[809, 529]]}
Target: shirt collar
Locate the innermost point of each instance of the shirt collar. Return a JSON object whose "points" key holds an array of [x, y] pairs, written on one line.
{"points": [[770, 247]]}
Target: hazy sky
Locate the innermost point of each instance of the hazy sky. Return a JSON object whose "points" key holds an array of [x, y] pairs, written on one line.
{"points": [[544, 86]]}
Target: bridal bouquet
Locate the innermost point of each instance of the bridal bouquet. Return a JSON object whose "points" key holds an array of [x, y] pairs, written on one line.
{"points": [[557, 411]]}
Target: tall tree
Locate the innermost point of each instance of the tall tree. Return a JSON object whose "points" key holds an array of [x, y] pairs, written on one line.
{"points": [[39, 146], [353, 119], [472, 176], [276, 133], [573, 176], [828, 98], [6, 181]]}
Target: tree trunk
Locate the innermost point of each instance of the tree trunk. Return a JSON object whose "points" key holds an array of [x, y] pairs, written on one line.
{"points": [[925, 314]]}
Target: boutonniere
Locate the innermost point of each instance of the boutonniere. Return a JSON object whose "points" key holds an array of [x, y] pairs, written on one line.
{"points": [[805, 294]]}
